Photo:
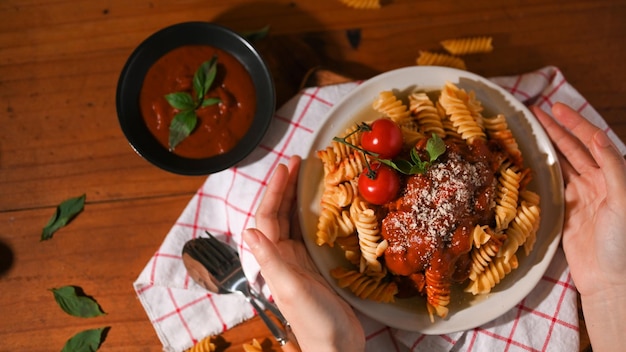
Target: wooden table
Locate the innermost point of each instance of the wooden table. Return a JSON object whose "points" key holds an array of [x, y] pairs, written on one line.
{"points": [[59, 65]]}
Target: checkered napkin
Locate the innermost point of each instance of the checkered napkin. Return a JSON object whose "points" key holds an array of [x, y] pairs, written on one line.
{"points": [[183, 313]]}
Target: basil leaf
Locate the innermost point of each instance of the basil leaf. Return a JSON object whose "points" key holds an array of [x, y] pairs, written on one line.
{"points": [[65, 212], [435, 147], [210, 101], [259, 34], [74, 302], [181, 101], [85, 341], [183, 123], [204, 77]]}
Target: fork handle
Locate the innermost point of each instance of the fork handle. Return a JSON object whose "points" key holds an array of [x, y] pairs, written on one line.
{"points": [[279, 334], [271, 306]]}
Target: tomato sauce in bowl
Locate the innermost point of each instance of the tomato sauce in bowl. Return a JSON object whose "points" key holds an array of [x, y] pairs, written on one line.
{"points": [[221, 126]]}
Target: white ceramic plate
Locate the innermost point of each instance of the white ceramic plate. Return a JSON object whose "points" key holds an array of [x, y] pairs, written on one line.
{"points": [[466, 311]]}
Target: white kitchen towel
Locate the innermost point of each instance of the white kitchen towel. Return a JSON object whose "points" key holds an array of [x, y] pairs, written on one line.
{"points": [[183, 313]]}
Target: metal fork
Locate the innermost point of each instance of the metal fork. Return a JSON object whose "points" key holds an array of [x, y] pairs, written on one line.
{"points": [[222, 262]]}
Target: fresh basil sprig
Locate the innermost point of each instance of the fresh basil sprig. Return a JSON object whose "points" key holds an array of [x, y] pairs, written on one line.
{"points": [[186, 119], [435, 147]]}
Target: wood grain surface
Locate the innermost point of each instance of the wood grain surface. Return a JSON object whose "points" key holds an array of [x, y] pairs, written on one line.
{"points": [[59, 135]]}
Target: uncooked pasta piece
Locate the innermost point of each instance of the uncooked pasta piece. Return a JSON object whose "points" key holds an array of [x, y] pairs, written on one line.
{"points": [[427, 58], [362, 4], [470, 45], [204, 345], [253, 346]]}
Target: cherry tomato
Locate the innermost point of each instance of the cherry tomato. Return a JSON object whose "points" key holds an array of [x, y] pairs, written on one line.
{"points": [[380, 185], [385, 139]]}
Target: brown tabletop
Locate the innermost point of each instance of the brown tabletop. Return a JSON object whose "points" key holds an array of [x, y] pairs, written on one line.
{"points": [[60, 138]]}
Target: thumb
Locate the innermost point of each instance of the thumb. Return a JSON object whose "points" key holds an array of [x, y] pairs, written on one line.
{"points": [[273, 268], [611, 162]]}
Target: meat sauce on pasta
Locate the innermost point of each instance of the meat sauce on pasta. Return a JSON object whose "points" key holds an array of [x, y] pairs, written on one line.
{"points": [[429, 227]]}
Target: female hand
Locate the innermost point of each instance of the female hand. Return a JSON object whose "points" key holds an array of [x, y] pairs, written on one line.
{"points": [[594, 232], [320, 319]]}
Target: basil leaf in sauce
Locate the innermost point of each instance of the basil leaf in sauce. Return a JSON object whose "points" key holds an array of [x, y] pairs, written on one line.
{"points": [[204, 77], [74, 302], [186, 119], [86, 341], [65, 212], [181, 101], [183, 123]]}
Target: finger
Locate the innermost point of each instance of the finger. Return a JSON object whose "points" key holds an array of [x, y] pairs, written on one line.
{"points": [[571, 147], [566, 168], [267, 214], [274, 269], [612, 163], [583, 130], [286, 211]]}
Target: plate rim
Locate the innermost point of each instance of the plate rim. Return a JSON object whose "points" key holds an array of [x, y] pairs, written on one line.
{"points": [[441, 326]]}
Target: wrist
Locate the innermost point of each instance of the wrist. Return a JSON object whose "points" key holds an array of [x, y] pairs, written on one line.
{"points": [[605, 318]]}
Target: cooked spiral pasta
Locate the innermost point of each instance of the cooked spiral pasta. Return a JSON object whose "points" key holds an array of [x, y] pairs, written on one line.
{"points": [[426, 113], [460, 114], [470, 45], [521, 228], [365, 285], [438, 288], [368, 231], [482, 256], [348, 169], [333, 222], [492, 275], [341, 195], [507, 194], [351, 248], [480, 235], [498, 129], [389, 105]]}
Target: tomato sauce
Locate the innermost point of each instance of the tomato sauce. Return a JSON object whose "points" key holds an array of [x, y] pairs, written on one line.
{"points": [[221, 126], [429, 227]]}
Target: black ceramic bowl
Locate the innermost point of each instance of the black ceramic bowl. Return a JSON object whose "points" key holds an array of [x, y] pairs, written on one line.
{"points": [[154, 47]]}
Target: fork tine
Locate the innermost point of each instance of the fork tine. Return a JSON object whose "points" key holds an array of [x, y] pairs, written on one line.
{"points": [[196, 249], [225, 252]]}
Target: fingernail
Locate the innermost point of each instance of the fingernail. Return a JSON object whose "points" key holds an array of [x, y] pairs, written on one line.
{"points": [[601, 139], [251, 237]]}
